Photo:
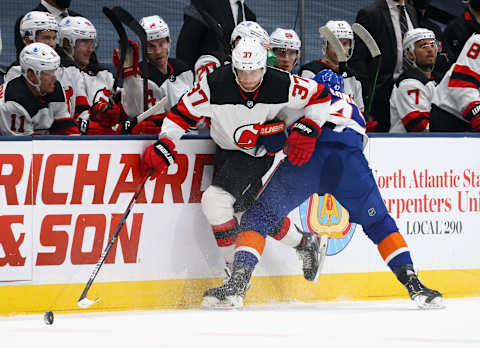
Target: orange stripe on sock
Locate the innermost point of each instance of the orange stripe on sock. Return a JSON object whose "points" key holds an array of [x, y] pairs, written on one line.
{"points": [[251, 239], [390, 244]]}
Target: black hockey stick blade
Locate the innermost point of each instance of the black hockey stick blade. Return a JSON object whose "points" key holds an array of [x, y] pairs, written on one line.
{"points": [[83, 301], [135, 26], [123, 43]]}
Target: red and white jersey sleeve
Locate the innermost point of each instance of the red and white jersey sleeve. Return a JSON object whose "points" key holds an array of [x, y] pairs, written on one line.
{"points": [[458, 92], [410, 105], [14, 118], [205, 65], [73, 83]]}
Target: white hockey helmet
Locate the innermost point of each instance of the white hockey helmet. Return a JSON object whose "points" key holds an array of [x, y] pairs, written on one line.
{"points": [[341, 30], [38, 57], [414, 35], [37, 21], [75, 28], [285, 38], [155, 27], [249, 29], [249, 54]]}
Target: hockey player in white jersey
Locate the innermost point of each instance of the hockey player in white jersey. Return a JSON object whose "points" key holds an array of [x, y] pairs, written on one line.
{"points": [[412, 94], [169, 77], [240, 99], [456, 100], [286, 44], [78, 37], [343, 32], [34, 103], [35, 26]]}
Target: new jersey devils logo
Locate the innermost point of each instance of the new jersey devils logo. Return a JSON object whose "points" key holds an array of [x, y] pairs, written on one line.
{"points": [[246, 136]]}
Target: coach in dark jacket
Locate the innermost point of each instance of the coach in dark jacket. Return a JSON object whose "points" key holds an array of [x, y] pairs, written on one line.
{"points": [[198, 35], [381, 19]]}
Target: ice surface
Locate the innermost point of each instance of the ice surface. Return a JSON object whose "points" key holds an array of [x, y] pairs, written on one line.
{"points": [[369, 324]]}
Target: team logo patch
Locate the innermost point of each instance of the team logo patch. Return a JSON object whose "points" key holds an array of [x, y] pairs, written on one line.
{"points": [[371, 212], [246, 136], [172, 78], [325, 215], [250, 104]]}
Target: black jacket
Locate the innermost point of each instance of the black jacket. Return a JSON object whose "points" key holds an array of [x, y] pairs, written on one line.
{"points": [[196, 38], [457, 33]]}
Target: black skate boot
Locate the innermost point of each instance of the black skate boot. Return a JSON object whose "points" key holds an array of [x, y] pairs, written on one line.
{"points": [[312, 251], [232, 292], [424, 297]]}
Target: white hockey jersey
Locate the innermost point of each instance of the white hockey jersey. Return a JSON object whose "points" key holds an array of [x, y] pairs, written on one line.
{"points": [[98, 83], [72, 81], [458, 92], [236, 116], [176, 83], [352, 86], [21, 113], [411, 102]]}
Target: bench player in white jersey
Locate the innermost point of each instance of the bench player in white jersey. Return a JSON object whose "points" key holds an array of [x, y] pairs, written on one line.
{"points": [[239, 98], [343, 32], [34, 103], [412, 94], [96, 115], [168, 77], [35, 26], [286, 44], [456, 101]]}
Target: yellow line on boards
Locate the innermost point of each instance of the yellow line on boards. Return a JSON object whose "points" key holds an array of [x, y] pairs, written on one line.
{"points": [[187, 293]]}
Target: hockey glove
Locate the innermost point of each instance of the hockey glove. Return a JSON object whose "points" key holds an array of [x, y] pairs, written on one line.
{"points": [[106, 114], [371, 124], [301, 142], [158, 157], [272, 136], [132, 58], [474, 116], [152, 125]]}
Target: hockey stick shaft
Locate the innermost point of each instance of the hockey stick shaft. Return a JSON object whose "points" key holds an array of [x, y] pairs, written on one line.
{"points": [[123, 42], [374, 50], [133, 24], [158, 107], [83, 301]]}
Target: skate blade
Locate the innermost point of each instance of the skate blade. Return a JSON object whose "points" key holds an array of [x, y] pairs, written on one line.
{"points": [[436, 303], [322, 255], [231, 302]]}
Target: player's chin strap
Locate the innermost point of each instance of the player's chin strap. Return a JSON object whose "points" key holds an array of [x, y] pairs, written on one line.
{"points": [[35, 85]]}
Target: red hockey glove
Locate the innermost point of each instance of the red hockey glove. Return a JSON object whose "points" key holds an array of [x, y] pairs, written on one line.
{"points": [[301, 142], [371, 124], [474, 116], [132, 58], [272, 136], [158, 157], [106, 114], [152, 125]]}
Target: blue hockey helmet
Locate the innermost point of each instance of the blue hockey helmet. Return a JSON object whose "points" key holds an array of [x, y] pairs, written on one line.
{"points": [[330, 79]]}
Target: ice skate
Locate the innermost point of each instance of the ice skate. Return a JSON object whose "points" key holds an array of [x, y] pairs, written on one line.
{"points": [[312, 251], [424, 297], [231, 293]]}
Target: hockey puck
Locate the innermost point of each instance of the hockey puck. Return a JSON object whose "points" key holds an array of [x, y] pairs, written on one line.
{"points": [[48, 317]]}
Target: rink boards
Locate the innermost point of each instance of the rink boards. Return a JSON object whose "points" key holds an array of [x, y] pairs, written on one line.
{"points": [[62, 199]]}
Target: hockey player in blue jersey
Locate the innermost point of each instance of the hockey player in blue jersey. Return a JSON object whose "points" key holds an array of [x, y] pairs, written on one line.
{"points": [[324, 156]]}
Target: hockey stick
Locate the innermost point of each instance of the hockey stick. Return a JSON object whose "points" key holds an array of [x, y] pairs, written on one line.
{"points": [[153, 110], [133, 24], [336, 46], [123, 42], [83, 301], [372, 46]]}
